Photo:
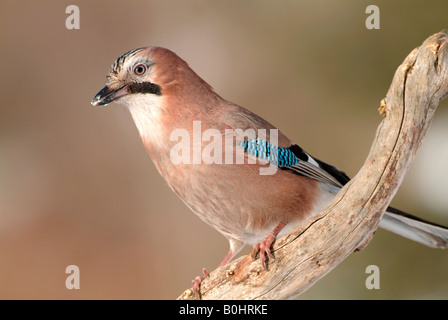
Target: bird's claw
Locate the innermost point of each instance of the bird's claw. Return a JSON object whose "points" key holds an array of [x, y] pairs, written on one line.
{"points": [[196, 283], [265, 249]]}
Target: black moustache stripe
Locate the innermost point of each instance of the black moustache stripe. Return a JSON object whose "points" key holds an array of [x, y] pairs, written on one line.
{"points": [[145, 87]]}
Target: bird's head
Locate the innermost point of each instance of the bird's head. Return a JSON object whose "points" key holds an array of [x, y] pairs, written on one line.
{"points": [[161, 91], [135, 72], [149, 71]]}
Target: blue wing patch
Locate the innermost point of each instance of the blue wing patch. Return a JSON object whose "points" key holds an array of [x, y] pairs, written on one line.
{"points": [[281, 157]]}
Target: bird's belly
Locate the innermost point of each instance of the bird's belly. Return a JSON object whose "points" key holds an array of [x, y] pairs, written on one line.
{"points": [[244, 205]]}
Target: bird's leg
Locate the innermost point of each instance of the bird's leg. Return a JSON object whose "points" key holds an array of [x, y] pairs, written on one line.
{"points": [[227, 258], [264, 247]]}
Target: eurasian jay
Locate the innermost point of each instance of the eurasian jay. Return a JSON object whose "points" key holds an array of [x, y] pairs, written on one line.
{"points": [[220, 176]]}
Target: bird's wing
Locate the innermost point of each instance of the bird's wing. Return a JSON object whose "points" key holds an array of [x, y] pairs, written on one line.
{"points": [[295, 159], [316, 169]]}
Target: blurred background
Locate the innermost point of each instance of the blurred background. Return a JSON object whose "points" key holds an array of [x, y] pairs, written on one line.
{"points": [[77, 187]]}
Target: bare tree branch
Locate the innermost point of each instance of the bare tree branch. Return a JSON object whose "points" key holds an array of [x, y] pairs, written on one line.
{"points": [[306, 254]]}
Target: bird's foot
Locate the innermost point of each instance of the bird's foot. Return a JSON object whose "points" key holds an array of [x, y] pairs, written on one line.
{"points": [[265, 249], [197, 283]]}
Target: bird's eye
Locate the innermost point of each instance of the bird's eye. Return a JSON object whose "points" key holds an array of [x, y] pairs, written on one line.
{"points": [[140, 69]]}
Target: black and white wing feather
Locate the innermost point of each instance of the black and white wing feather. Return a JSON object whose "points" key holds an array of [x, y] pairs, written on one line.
{"points": [[310, 167]]}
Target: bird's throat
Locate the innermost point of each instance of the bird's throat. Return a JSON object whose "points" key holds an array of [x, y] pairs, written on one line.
{"points": [[146, 111]]}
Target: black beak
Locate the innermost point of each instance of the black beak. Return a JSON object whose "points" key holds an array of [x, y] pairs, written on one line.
{"points": [[107, 95]]}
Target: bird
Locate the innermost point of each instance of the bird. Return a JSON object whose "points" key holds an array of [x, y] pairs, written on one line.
{"points": [[212, 153]]}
